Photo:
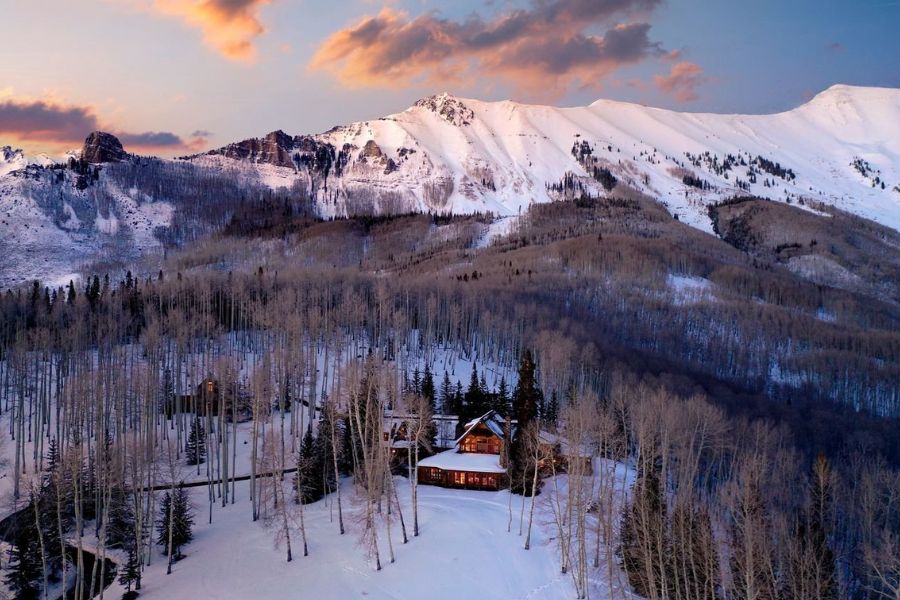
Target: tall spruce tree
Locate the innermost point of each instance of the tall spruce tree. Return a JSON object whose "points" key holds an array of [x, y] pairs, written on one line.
{"points": [[130, 575], [308, 480], [175, 510], [446, 401], [526, 398], [195, 447], [25, 568], [428, 390], [475, 401], [500, 401]]}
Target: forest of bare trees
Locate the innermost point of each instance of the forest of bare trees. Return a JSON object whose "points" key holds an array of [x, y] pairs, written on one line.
{"points": [[714, 479]]}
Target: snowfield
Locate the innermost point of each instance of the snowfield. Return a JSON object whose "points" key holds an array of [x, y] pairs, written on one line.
{"points": [[462, 155], [463, 544], [456, 155]]}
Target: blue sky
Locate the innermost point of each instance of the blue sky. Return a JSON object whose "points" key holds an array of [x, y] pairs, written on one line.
{"points": [[206, 72]]}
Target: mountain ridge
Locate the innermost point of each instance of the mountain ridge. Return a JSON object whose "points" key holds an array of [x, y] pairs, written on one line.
{"points": [[447, 154], [861, 114]]}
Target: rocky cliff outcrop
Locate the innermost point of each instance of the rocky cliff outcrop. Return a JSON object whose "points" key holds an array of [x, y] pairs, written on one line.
{"points": [[102, 147], [274, 149]]}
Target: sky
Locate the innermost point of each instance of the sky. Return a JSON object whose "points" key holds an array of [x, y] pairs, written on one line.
{"points": [[175, 77]]}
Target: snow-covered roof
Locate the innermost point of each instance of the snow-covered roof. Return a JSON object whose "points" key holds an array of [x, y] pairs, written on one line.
{"points": [[451, 460], [492, 421]]}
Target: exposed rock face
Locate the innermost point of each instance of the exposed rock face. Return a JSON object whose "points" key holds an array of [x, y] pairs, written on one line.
{"points": [[274, 149], [102, 147], [449, 108]]}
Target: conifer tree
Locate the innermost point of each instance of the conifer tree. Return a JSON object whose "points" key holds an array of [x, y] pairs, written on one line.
{"points": [[500, 401], [428, 386], [446, 396], [526, 398], [474, 402], [551, 409], [195, 447], [25, 568], [308, 480], [130, 575], [175, 510]]}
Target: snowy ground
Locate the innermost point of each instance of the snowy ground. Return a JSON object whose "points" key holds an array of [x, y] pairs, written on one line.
{"points": [[463, 543]]}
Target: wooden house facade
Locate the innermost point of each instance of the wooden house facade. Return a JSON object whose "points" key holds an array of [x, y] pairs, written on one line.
{"points": [[475, 462]]}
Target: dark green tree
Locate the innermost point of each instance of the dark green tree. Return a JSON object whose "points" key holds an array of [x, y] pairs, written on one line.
{"points": [[175, 509], [526, 399], [130, 575], [25, 570], [500, 401], [475, 400], [446, 399], [428, 390], [309, 484], [195, 447]]}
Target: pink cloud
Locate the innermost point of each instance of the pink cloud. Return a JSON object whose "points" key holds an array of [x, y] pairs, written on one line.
{"points": [[228, 26], [51, 125], [543, 50], [682, 81]]}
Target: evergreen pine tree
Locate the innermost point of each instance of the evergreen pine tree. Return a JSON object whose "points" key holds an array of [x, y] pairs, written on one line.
{"points": [[551, 409], [428, 386], [446, 396], [178, 508], [52, 456], [120, 528], [501, 399], [131, 572], [195, 447], [345, 447], [526, 398], [24, 568], [474, 404], [308, 483], [416, 382]]}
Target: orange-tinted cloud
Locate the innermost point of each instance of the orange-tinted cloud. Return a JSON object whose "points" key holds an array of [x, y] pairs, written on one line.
{"points": [[52, 126], [682, 81], [542, 50], [228, 26]]}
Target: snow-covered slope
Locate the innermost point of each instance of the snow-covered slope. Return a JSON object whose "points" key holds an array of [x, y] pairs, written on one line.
{"points": [[451, 155], [461, 155], [50, 226]]}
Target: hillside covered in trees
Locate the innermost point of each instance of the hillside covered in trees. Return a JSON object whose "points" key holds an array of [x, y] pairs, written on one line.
{"points": [[739, 394]]}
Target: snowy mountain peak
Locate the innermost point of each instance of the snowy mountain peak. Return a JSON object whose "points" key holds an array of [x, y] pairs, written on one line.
{"points": [[11, 160], [449, 108]]}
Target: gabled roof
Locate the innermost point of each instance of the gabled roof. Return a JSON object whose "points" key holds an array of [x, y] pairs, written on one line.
{"points": [[492, 420]]}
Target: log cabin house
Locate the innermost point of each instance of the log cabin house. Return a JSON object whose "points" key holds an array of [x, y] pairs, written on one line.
{"points": [[476, 460], [207, 399]]}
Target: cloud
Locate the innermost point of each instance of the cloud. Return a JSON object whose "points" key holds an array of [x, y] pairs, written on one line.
{"points": [[228, 26], [542, 50], [43, 121], [58, 126], [682, 81]]}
